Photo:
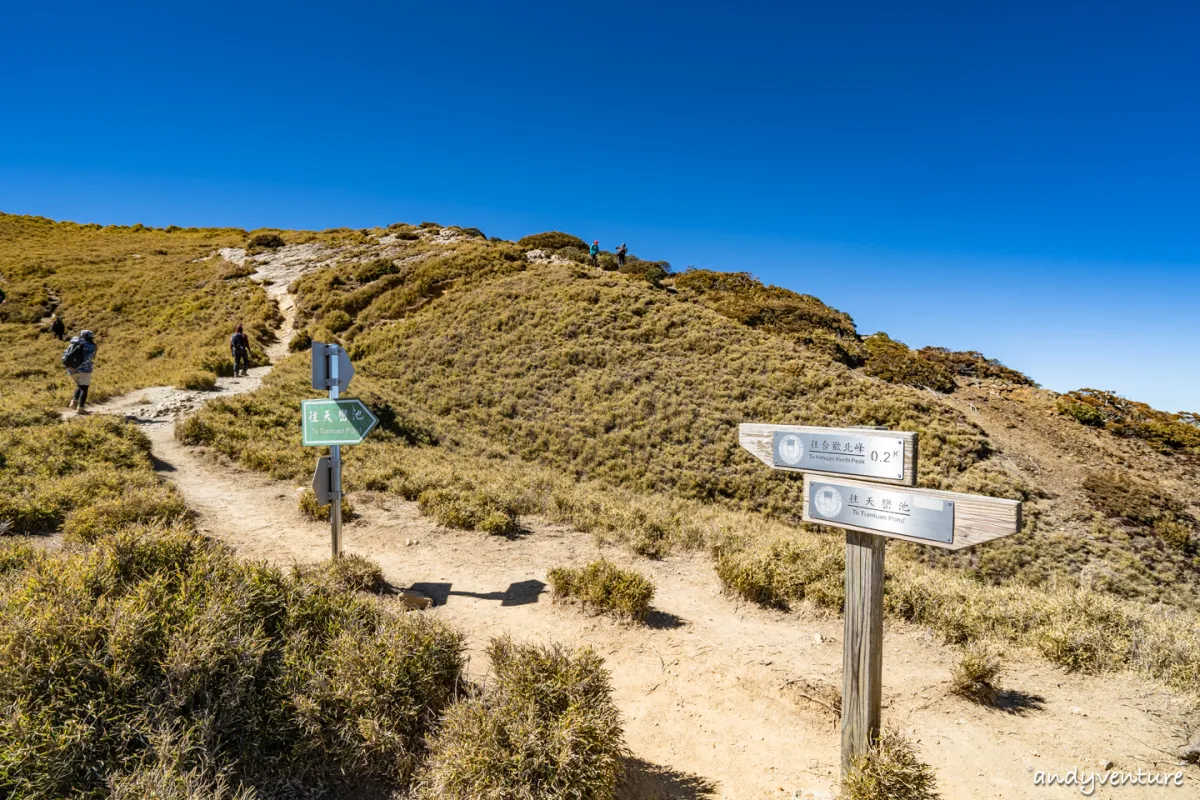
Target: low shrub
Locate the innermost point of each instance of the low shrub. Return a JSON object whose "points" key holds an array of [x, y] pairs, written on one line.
{"points": [[310, 509], [543, 726], [210, 667], [1141, 505], [894, 362], [136, 505], [197, 380], [577, 254], [889, 771], [267, 241], [353, 572], [1081, 413], [976, 674], [551, 241], [470, 509], [302, 340], [605, 587], [231, 271], [338, 321], [374, 270]]}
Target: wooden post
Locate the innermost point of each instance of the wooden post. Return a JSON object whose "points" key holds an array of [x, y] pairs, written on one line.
{"points": [[862, 654]]}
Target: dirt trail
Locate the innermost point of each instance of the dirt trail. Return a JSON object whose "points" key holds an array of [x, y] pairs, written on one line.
{"points": [[721, 699]]}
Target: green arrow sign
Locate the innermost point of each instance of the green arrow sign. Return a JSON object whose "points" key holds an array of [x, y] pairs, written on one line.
{"points": [[328, 422]]}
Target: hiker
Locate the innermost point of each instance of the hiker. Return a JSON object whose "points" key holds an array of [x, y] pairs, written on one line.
{"points": [[594, 252], [621, 251], [239, 346], [79, 359], [58, 328]]}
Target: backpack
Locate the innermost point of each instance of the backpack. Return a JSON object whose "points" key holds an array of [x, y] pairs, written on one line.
{"points": [[74, 355]]}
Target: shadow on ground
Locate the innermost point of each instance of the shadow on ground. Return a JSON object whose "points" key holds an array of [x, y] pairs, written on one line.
{"points": [[521, 593], [646, 781]]}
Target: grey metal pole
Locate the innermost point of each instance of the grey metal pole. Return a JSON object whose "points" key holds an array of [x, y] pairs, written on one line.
{"points": [[335, 459]]}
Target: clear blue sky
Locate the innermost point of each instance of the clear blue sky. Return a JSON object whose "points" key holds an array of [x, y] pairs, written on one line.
{"points": [[1017, 178]]}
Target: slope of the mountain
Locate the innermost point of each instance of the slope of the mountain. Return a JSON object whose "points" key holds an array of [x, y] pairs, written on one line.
{"points": [[490, 353]]}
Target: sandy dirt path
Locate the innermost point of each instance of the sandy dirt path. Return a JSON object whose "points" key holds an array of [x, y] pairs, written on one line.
{"points": [[720, 698]]}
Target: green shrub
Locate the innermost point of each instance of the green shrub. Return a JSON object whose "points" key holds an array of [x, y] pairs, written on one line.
{"points": [[474, 233], [577, 254], [1081, 413], [544, 726], [218, 364], [338, 321], [429, 225], [894, 362], [310, 509], [604, 586], [889, 771], [197, 380], [302, 340], [976, 674], [268, 241], [551, 241], [973, 364], [374, 270], [652, 272]]}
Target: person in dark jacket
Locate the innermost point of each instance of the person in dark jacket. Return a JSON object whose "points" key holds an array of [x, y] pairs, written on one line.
{"points": [[82, 372], [621, 251], [58, 328], [239, 347]]}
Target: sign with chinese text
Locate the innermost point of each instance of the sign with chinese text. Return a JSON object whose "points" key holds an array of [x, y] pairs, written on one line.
{"points": [[847, 454], [912, 515], [341, 421]]}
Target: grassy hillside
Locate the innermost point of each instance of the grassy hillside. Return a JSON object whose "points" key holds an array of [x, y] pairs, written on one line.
{"points": [[510, 386]]}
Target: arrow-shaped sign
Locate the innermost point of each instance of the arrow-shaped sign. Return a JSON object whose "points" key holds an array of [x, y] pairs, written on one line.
{"points": [[336, 422]]}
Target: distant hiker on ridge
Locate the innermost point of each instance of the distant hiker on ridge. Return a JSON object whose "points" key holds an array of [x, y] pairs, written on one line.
{"points": [[621, 251], [79, 359], [594, 252], [58, 328], [239, 346]]}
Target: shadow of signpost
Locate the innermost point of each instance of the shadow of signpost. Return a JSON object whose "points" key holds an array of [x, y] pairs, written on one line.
{"points": [[646, 781], [521, 593]]}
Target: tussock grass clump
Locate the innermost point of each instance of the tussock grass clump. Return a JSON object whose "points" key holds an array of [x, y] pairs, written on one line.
{"points": [[471, 510], [287, 685], [976, 674], [890, 771], [310, 509], [137, 505], [544, 726], [781, 571], [605, 587], [353, 572], [50, 471], [197, 380]]}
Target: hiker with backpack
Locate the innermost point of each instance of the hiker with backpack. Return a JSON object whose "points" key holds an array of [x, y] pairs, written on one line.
{"points": [[239, 347], [79, 358], [58, 328], [621, 251], [594, 252]]}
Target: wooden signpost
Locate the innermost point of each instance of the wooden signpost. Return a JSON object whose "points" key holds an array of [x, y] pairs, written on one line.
{"points": [[863, 480]]}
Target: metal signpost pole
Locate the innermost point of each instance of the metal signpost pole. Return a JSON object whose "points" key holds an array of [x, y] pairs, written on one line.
{"points": [[335, 458]]}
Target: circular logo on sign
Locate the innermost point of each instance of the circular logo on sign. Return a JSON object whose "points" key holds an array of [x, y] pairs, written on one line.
{"points": [[828, 501], [791, 449]]}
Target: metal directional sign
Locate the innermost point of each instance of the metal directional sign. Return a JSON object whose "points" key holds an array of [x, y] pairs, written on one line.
{"points": [[322, 354], [336, 422], [884, 456], [942, 519], [882, 510], [322, 482]]}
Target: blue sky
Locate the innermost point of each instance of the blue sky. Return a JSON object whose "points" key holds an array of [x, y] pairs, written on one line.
{"points": [[1017, 178]]}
